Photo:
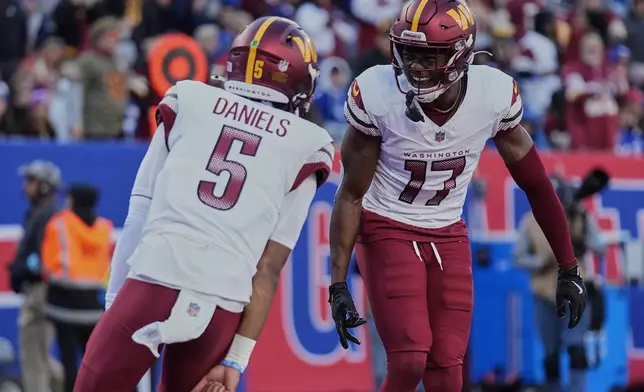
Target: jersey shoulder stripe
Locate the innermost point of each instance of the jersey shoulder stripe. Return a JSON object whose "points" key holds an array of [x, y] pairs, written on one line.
{"points": [[320, 164], [359, 105], [514, 114], [167, 111]]}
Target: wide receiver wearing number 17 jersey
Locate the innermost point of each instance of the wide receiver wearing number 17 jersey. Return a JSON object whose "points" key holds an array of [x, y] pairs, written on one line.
{"points": [[416, 131], [217, 205]]}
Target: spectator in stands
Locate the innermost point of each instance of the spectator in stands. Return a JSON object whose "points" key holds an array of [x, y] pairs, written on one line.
{"points": [[32, 85], [233, 19], [521, 14], [591, 108], [13, 28], [73, 19], [330, 33], [630, 117], [374, 16], [105, 88], [378, 54], [38, 124], [555, 122], [537, 65], [40, 372], [66, 102], [39, 24], [208, 37], [331, 94], [619, 62], [590, 16], [163, 16], [635, 27], [4, 105], [500, 43], [259, 8], [75, 255]]}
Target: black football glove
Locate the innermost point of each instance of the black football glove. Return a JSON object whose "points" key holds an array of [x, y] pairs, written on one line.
{"points": [[571, 289], [344, 313]]}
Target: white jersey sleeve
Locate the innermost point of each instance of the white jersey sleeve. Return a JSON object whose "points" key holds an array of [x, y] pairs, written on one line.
{"points": [[166, 113], [514, 110], [142, 193], [293, 212], [319, 164], [357, 111]]}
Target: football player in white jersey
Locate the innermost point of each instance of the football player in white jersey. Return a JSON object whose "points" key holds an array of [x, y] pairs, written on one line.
{"points": [[416, 131], [217, 205]]}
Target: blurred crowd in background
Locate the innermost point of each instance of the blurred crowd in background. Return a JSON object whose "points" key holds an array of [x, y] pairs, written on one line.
{"points": [[78, 69]]}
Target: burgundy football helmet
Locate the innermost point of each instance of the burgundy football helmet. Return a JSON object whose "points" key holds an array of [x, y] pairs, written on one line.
{"points": [[432, 46], [273, 60]]}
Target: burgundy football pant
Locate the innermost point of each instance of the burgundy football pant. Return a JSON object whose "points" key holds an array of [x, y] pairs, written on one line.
{"points": [[113, 362], [422, 312]]}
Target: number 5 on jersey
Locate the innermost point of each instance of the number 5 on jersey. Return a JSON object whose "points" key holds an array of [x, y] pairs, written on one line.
{"points": [[418, 170], [220, 163]]}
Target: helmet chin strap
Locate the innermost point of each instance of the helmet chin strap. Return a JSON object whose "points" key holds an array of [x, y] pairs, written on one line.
{"points": [[413, 109], [413, 100]]}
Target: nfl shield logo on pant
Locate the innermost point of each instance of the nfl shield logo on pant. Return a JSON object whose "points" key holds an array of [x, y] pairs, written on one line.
{"points": [[193, 309], [440, 136]]}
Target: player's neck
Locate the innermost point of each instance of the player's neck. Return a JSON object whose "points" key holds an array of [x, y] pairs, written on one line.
{"points": [[448, 101]]}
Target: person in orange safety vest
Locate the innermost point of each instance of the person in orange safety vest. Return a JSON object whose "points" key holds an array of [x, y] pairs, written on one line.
{"points": [[76, 253]]}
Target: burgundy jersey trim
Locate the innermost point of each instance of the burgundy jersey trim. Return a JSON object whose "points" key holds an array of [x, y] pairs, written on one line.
{"points": [[320, 169], [167, 116]]}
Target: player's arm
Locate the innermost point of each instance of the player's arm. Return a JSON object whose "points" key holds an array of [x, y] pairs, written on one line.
{"points": [[360, 154], [291, 219], [141, 196], [522, 160], [360, 151]]}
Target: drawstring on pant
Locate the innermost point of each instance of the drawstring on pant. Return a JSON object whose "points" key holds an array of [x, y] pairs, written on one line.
{"points": [[417, 251], [438, 256]]}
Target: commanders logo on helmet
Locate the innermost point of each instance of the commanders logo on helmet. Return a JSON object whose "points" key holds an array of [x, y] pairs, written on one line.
{"points": [[274, 60]]}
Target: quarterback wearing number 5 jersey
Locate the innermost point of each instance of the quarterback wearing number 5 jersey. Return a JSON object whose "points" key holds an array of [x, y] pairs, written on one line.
{"points": [[417, 129], [217, 205]]}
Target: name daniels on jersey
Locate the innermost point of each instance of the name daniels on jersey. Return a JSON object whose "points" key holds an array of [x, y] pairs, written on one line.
{"points": [[257, 118], [436, 155]]}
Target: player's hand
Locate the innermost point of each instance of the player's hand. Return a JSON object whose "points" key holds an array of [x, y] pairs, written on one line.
{"points": [[571, 290], [220, 379], [344, 313]]}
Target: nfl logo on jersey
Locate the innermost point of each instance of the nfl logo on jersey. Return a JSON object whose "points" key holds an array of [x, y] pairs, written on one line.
{"points": [[193, 309], [440, 136]]}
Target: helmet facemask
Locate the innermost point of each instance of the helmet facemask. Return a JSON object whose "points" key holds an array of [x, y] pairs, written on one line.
{"points": [[429, 68]]}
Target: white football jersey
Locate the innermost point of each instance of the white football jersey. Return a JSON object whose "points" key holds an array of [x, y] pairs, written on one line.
{"points": [[424, 169], [218, 198]]}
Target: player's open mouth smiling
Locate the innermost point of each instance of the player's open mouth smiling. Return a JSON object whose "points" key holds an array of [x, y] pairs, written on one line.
{"points": [[422, 79], [418, 80]]}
